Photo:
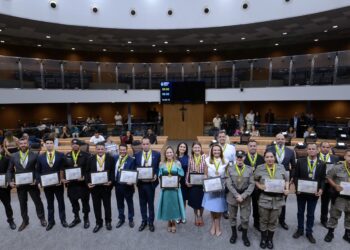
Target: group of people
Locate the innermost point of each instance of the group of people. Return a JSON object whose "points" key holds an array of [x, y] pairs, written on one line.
{"points": [[244, 178]]}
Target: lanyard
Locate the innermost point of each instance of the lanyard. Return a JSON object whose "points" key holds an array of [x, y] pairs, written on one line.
{"points": [[146, 156], [252, 161], [50, 157], [23, 157], [224, 148], [122, 161], [323, 158], [347, 168], [101, 161], [75, 157], [273, 173], [169, 165], [311, 168], [278, 151], [217, 165], [197, 161], [240, 172]]}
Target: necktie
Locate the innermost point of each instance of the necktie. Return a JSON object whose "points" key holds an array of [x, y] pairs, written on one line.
{"points": [[312, 162]]}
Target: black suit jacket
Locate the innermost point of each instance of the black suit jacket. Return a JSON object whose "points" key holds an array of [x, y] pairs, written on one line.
{"points": [[109, 167], [259, 161], [333, 159], [4, 164], [15, 165], [42, 167], [289, 157]]}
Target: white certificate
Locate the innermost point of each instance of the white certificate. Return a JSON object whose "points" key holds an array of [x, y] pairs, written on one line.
{"points": [[145, 173], [346, 188], [128, 176], [2, 180], [274, 186], [24, 178], [49, 180], [212, 184], [99, 178], [196, 179], [169, 181], [309, 187], [73, 173]]}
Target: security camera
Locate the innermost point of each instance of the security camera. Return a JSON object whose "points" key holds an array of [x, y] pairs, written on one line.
{"points": [[94, 9], [53, 4]]}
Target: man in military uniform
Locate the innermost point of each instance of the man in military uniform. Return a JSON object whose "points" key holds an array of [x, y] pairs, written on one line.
{"points": [[340, 173], [240, 183], [77, 189]]}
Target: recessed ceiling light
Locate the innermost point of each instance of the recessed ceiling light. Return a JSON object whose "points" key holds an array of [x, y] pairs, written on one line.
{"points": [[187, 50], [129, 42], [284, 33], [201, 41], [153, 45], [335, 26], [73, 48], [48, 37], [277, 44], [325, 31], [39, 45], [316, 40], [90, 40], [131, 50], [215, 49], [104, 50], [160, 51], [165, 42], [0, 30], [242, 38], [2, 41]]}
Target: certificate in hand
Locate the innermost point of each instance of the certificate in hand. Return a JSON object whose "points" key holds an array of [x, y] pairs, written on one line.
{"points": [[145, 173], [128, 176], [309, 187], [274, 186], [346, 188], [196, 179], [99, 178], [24, 178], [49, 179], [213, 184], [72, 173], [169, 181], [3, 180]]}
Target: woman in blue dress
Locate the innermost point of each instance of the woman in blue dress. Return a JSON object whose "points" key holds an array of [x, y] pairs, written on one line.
{"points": [[170, 206], [215, 202], [182, 156]]}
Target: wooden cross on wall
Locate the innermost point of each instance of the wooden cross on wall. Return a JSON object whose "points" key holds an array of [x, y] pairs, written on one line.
{"points": [[183, 110]]}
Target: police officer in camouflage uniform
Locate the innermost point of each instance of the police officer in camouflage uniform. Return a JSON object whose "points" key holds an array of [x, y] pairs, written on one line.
{"points": [[270, 204], [240, 183], [339, 173]]}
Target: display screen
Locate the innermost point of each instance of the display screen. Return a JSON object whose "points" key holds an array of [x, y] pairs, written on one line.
{"points": [[182, 92]]}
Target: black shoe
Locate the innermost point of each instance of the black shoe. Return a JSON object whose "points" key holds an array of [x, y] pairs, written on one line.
{"points": [[64, 223], [108, 226], [233, 236], [131, 224], [330, 235], [311, 238], [151, 227], [119, 224], [23, 226], [225, 215], [297, 234], [12, 225], [97, 228], [347, 235], [239, 228], [269, 243], [284, 225], [75, 222], [50, 226], [143, 226], [43, 222], [245, 239], [86, 223], [263, 239]]}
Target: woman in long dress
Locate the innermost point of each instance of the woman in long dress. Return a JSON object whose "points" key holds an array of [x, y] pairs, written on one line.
{"points": [[182, 156]]}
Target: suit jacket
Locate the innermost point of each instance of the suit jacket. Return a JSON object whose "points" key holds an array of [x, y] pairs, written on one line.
{"points": [[42, 167], [128, 165], [15, 165], [109, 167], [289, 157], [333, 158], [4, 164], [155, 162], [260, 160], [302, 173]]}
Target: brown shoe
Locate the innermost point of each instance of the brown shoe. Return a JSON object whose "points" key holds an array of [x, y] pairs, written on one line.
{"points": [[23, 226]]}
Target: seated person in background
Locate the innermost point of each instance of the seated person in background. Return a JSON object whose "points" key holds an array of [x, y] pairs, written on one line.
{"points": [[309, 131], [96, 138], [75, 131], [111, 147], [31, 139], [151, 136], [127, 138], [53, 135], [254, 132], [10, 143], [65, 132], [291, 133]]}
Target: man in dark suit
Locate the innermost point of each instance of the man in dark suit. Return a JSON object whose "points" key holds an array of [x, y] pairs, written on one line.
{"points": [[308, 169], [147, 158], [78, 189], [329, 159], [124, 190], [296, 124], [24, 161], [101, 162], [286, 157], [5, 191], [269, 120], [52, 162]]}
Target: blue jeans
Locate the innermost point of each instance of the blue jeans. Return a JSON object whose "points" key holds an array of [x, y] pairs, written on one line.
{"points": [[311, 203]]}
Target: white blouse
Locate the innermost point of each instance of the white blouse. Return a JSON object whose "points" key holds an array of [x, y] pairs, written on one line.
{"points": [[212, 168]]}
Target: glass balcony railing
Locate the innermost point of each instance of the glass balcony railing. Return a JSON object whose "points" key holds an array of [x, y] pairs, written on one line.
{"points": [[312, 69]]}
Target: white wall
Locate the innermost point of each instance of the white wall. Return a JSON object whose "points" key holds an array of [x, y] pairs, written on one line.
{"points": [[152, 14]]}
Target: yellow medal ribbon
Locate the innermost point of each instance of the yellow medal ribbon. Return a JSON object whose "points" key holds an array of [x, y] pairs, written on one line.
{"points": [[75, 158], [22, 156], [347, 169], [223, 150], [240, 172], [169, 165], [278, 151], [217, 165], [146, 156], [122, 161], [273, 173], [252, 161], [197, 162], [323, 159], [311, 168], [50, 158], [101, 161]]}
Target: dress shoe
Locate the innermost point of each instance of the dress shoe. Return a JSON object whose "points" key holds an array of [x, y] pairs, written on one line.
{"points": [[12, 225], [108, 226], [284, 225], [131, 224], [50, 226], [151, 227], [143, 226], [86, 223], [297, 234], [97, 228], [23, 226], [43, 222], [311, 238], [75, 222], [64, 223], [120, 223]]}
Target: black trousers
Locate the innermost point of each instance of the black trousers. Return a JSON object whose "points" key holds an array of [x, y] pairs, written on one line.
{"points": [[325, 200], [255, 198], [34, 192], [282, 217], [125, 192], [5, 197], [50, 193], [146, 198], [102, 194], [78, 191]]}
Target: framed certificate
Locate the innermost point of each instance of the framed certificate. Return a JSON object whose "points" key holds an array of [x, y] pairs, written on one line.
{"points": [[49, 180], [24, 178], [3, 180], [169, 181], [145, 173], [99, 178], [213, 184], [274, 186], [72, 173], [346, 188], [309, 187], [128, 176], [196, 178]]}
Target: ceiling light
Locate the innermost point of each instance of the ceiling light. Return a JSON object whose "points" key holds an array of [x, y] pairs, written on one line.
{"points": [[90, 40], [325, 31], [2, 41], [0, 30], [48, 37], [39, 45], [160, 51], [129, 42], [165, 42], [131, 50], [284, 33], [215, 49], [153, 45], [104, 50], [73, 48], [316, 40], [201, 41], [243, 38], [187, 50], [277, 44], [335, 26]]}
